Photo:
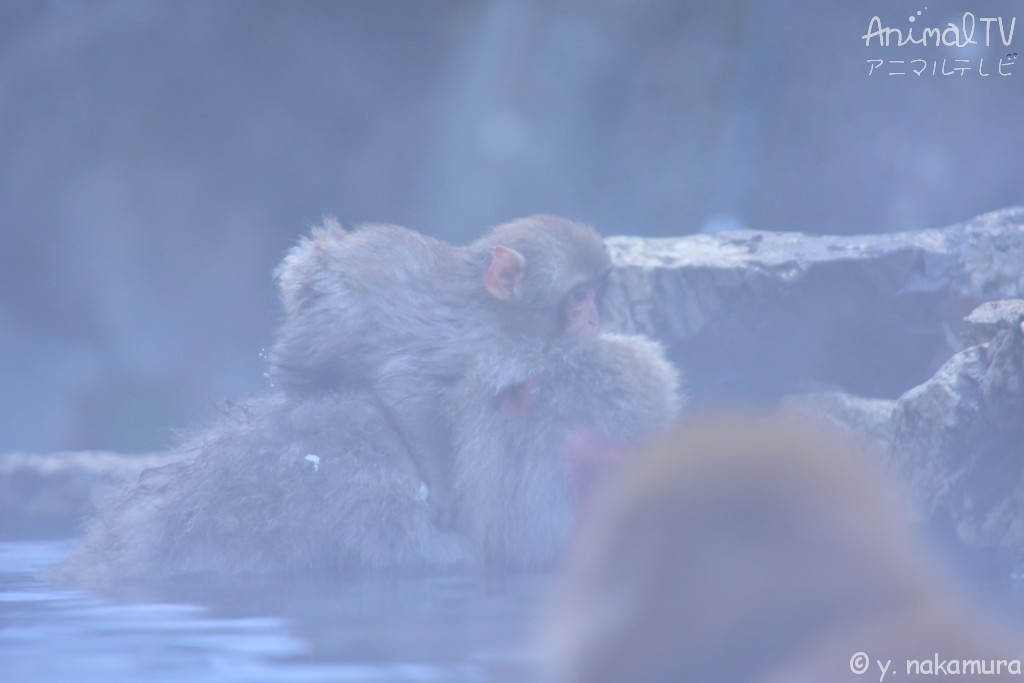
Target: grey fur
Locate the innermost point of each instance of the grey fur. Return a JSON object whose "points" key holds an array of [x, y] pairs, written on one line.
{"points": [[251, 500], [511, 483], [402, 314], [382, 300]]}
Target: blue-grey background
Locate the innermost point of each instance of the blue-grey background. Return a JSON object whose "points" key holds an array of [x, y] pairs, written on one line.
{"points": [[157, 158]]}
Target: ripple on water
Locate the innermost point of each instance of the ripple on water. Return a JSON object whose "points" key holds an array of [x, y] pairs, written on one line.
{"points": [[429, 629]]}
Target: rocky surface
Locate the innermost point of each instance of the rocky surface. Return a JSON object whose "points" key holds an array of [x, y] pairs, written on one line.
{"points": [[750, 314], [52, 495], [989, 319], [911, 342], [958, 438], [867, 420]]}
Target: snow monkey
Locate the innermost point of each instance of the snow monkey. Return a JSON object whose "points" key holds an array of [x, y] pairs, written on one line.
{"points": [[403, 314], [321, 482], [751, 548]]}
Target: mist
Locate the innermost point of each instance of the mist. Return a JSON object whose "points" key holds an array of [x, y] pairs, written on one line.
{"points": [[158, 158]]}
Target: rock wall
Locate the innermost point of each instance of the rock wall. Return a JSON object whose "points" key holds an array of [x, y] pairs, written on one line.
{"points": [[752, 314]]}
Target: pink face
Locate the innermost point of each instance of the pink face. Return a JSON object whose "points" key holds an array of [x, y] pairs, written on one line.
{"points": [[582, 319], [588, 454]]}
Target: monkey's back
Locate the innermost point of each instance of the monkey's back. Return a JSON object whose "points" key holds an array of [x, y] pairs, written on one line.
{"points": [[277, 484], [368, 303]]}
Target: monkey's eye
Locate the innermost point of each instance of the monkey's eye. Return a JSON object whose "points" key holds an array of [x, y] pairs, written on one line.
{"points": [[580, 294]]}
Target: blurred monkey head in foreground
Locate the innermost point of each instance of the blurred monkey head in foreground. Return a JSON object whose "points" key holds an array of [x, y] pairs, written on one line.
{"points": [[751, 548]]}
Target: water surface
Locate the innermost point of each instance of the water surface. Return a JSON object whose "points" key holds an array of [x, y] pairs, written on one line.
{"points": [[263, 629]]}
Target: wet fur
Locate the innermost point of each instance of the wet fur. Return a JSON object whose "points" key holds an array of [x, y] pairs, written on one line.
{"points": [[247, 499], [752, 548]]}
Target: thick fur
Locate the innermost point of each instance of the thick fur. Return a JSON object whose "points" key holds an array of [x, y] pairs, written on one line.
{"points": [[512, 481], [748, 548], [382, 300], [253, 500], [402, 314]]}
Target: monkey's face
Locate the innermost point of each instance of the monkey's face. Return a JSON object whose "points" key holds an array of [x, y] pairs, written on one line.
{"points": [[549, 275], [521, 473], [534, 426], [547, 301], [581, 314], [728, 549], [573, 440], [568, 288], [590, 457]]}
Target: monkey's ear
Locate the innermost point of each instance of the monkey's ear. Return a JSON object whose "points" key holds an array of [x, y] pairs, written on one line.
{"points": [[505, 273]]}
